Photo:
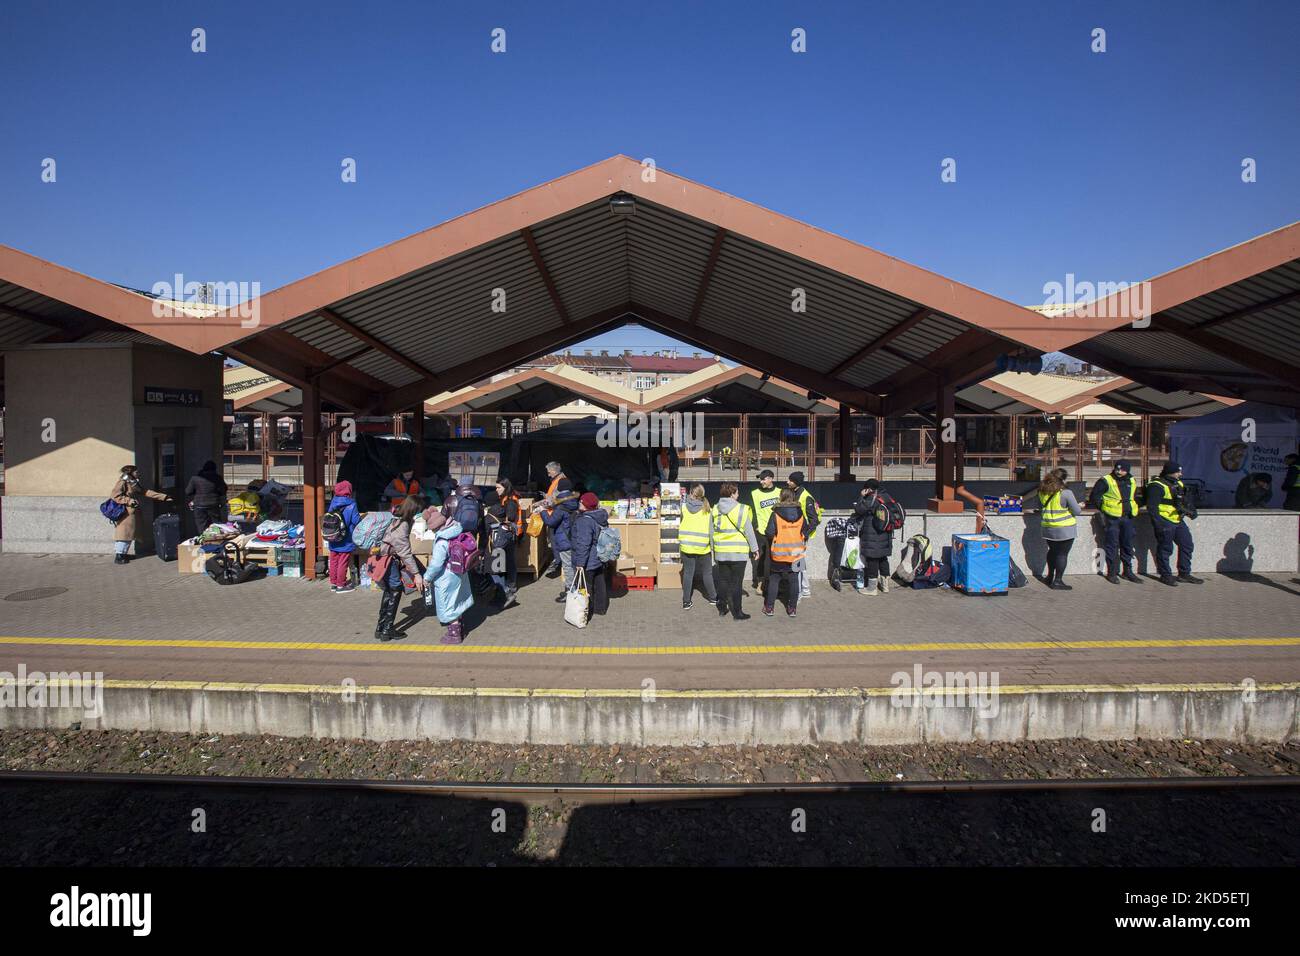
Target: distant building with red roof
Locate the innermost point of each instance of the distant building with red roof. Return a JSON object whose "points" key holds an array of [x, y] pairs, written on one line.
{"points": [[640, 372]]}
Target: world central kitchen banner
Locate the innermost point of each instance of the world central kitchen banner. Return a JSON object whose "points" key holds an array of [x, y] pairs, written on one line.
{"points": [[1212, 448]]}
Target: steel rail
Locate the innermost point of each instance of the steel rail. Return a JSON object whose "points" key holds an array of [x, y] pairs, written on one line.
{"points": [[646, 792]]}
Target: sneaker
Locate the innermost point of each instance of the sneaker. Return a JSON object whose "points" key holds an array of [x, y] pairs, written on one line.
{"points": [[510, 599], [345, 588], [1190, 579], [334, 589], [789, 612], [562, 598], [688, 605], [713, 601], [767, 610]]}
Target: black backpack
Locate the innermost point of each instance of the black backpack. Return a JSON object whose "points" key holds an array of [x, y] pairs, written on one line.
{"points": [[887, 515], [333, 527]]}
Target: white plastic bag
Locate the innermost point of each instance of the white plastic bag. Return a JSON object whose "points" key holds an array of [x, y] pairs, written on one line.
{"points": [[850, 558], [576, 602]]}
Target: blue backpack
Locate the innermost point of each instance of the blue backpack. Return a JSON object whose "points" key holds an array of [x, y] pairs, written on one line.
{"points": [[113, 511], [608, 544]]}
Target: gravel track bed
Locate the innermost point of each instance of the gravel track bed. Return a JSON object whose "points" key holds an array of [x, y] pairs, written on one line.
{"points": [[165, 753]]}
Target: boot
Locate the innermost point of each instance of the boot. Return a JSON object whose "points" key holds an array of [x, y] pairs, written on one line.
{"points": [[510, 598], [454, 634], [119, 558], [384, 630], [1111, 575], [871, 586], [884, 583], [1128, 575], [1169, 580]]}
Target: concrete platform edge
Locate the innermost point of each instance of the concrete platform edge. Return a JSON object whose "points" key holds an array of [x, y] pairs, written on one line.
{"points": [[870, 716]]}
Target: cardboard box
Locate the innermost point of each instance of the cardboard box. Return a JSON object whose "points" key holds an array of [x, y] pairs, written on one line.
{"points": [[669, 576], [189, 559], [625, 563], [640, 536], [647, 566], [421, 547]]}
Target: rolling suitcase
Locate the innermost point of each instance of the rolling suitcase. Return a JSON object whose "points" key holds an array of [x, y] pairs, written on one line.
{"points": [[167, 536]]}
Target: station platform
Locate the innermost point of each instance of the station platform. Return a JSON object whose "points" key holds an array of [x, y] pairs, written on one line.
{"points": [[145, 624]]}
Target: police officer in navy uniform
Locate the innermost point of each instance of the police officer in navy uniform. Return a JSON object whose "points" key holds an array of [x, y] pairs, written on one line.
{"points": [[1169, 515], [1115, 496]]}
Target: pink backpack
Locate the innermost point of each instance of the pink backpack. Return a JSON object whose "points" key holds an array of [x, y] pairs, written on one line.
{"points": [[463, 553]]}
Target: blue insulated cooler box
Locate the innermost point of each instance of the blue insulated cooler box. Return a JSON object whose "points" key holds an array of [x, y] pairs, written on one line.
{"points": [[981, 563]]}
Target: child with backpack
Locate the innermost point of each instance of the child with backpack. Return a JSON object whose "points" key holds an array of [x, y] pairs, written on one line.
{"points": [[588, 525], [878, 516], [446, 581], [336, 526]]}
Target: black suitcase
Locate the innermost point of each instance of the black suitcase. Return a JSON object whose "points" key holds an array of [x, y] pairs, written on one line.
{"points": [[167, 536]]}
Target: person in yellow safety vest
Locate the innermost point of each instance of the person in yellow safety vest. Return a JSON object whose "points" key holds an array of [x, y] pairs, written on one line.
{"points": [[404, 485], [1058, 513], [787, 533], [812, 514], [695, 542], [762, 500], [1165, 506], [1115, 496], [734, 542]]}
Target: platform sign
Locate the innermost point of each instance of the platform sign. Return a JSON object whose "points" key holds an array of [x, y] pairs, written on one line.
{"points": [[474, 467], [172, 396], [796, 431]]}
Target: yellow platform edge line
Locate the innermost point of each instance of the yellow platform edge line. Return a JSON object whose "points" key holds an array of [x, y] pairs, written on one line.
{"points": [[688, 650], [547, 692]]}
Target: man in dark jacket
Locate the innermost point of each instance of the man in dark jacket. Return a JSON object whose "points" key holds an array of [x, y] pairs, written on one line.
{"points": [[1115, 496], [1291, 483], [1254, 490], [584, 532], [874, 546], [559, 521], [206, 494]]}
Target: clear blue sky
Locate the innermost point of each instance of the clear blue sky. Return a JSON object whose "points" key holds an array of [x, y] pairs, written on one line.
{"points": [[225, 165]]}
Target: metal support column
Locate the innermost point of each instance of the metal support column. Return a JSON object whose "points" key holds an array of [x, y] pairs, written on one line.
{"points": [[846, 444], [945, 452], [312, 467], [417, 436]]}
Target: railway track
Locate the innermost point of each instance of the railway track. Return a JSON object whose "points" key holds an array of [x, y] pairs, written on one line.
{"points": [[616, 793]]}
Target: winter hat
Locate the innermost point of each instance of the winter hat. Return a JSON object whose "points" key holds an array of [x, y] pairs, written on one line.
{"points": [[343, 489], [1171, 468], [796, 477], [589, 501], [434, 519], [1124, 463]]}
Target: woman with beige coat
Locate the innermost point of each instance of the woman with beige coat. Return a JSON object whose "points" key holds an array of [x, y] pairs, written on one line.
{"points": [[130, 494]]}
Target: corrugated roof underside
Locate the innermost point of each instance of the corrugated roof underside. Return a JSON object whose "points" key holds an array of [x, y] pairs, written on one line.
{"points": [[1273, 332]]}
